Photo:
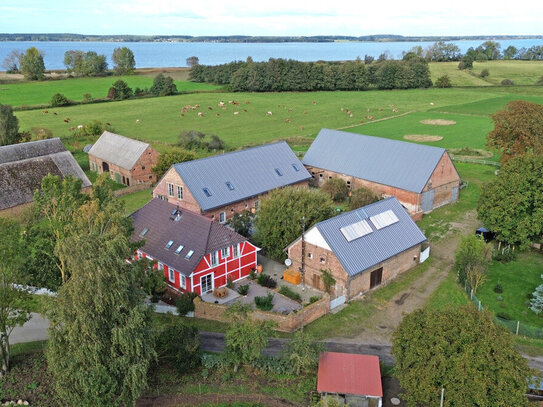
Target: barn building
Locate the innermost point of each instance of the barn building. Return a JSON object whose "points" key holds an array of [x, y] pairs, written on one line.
{"points": [[362, 249], [420, 176], [22, 167], [128, 161], [222, 185], [195, 253]]}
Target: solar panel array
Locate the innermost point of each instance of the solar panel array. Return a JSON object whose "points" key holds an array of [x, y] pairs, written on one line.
{"points": [[356, 230], [384, 219]]}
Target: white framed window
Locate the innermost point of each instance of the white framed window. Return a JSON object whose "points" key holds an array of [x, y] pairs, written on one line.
{"points": [[310, 255], [170, 189], [183, 281], [214, 259], [171, 275], [160, 266], [235, 251], [179, 192], [222, 217], [206, 283], [225, 252]]}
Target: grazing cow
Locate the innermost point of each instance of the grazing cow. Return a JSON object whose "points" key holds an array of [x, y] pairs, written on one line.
{"points": [[235, 103], [245, 110], [66, 120], [236, 113], [182, 114], [247, 102], [370, 117], [342, 109], [80, 126], [287, 120], [217, 114], [72, 128], [269, 113], [45, 112], [196, 106], [350, 115], [431, 103], [210, 108], [137, 120], [55, 113], [108, 124], [221, 103], [314, 102], [395, 110], [200, 114]]}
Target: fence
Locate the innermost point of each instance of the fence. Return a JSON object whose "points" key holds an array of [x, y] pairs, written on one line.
{"points": [[476, 161], [516, 327]]}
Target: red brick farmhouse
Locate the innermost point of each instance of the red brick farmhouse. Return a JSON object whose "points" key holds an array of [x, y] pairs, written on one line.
{"points": [[128, 161], [195, 253], [421, 177], [222, 185]]}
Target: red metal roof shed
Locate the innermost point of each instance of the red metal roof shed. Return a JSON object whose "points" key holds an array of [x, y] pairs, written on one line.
{"points": [[347, 373]]}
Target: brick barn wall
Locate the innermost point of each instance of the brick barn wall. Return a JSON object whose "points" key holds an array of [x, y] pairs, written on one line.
{"points": [[141, 171], [172, 177], [442, 181]]}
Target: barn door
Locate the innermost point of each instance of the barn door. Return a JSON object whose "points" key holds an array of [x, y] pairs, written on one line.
{"points": [[427, 201], [376, 277], [316, 281], [454, 196]]}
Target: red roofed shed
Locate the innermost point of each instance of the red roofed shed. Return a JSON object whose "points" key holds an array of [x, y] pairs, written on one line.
{"points": [[354, 378]]}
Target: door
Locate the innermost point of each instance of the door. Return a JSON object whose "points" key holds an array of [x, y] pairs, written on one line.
{"points": [[206, 283], [118, 177], [316, 281], [454, 196], [427, 201], [105, 167], [376, 277]]}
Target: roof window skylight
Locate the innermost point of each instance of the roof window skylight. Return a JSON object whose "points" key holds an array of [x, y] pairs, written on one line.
{"points": [[230, 186], [295, 167], [189, 254], [169, 244], [207, 192], [278, 171], [144, 232], [178, 250]]}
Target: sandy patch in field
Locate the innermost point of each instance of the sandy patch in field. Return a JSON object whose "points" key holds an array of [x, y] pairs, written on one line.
{"points": [[422, 137], [438, 122]]}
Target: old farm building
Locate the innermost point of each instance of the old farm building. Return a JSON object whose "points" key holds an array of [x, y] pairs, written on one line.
{"points": [[195, 253], [361, 249], [128, 161], [421, 177], [22, 167], [222, 185]]}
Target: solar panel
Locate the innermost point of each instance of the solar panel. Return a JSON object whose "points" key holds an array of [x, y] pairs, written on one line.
{"points": [[356, 230], [384, 219]]}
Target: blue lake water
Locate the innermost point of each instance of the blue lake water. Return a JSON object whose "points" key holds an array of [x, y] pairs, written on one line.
{"points": [[174, 54]]}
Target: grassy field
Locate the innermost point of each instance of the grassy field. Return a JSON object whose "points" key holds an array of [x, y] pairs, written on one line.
{"points": [[136, 200], [457, 77], [40, 92]]}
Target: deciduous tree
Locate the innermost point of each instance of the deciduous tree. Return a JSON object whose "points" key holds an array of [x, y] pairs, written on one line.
{"points": [[302, 353], [124, 61], [120, 90], [174, 156], [31, 64], [361, 197], [472, 260], [336, 188], [9, 126], [85, 63], [11, 63], [518, 129], [163, 86], [464, 352]]}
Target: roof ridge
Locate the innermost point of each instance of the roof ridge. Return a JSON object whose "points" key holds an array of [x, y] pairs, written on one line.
{"points": [[120, 135], [357, 209]]}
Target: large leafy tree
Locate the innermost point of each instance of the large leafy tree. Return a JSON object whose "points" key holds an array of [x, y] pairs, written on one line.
{"points": [[85, 63], [31, 64], [512, 204], [464, 352], [174, 156], [302, 353], [124, 61], [163, 86], [100, 336], [9, 126], [518, 129], [279, 220], [471, 261], [14, 310]]}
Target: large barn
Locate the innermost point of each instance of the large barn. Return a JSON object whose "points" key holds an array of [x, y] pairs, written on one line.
{"points": [[222, 185], [22, 167], [362, 249], [127, 161], [420, 176], [195, 253]]}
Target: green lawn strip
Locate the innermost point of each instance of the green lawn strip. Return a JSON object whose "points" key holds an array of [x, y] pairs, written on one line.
{"points": [[350, 321], [448, 294], [488, 106], [27, 347], [136, 200]]}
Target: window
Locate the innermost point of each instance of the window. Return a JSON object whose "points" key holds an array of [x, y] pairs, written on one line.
{"points": [[230, 186], [222, 217], [214, 259], [183, 281], [278, 172], [320, 175], [225, 253], [144, 232], [160, 266], [257, 204], [189, 254], [150, 177], [179, 192], [246, 206], [178, 250], [171, 275], [235, 250], [206, 192], [310, 255], [295, 167], [143, 167], [206, 283], [170, 189], [169, 244], [323, 260]]}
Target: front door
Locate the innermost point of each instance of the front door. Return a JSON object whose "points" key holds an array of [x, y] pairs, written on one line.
{"points": [[454, 196], [376, 277], [206, 283], [427, 201]]}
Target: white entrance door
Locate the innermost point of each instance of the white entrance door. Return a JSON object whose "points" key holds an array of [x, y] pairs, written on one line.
{"points": [[206, 283]]}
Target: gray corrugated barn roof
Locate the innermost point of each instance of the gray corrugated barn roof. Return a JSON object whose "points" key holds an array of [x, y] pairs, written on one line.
{"points": [[193, 231], [22, 167], [379, 245], [117, 149], [241, 174], [390, 162]]}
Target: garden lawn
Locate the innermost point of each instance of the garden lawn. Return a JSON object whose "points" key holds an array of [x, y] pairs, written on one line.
{"points": [[448, 295], [136, 200], [32, 93], [518, 279]]}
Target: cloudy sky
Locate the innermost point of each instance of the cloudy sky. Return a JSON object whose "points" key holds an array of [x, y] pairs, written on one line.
{"points": [[275, 17]]}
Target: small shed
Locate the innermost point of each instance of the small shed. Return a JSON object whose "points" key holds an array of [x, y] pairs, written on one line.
{"points": [[353, 379]]}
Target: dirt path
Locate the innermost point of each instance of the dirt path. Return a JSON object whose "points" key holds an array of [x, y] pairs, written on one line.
{"points": [[198, 399], [383, 323]]}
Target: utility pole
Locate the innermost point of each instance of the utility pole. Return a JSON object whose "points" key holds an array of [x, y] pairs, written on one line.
{"points": [[302, 268]]}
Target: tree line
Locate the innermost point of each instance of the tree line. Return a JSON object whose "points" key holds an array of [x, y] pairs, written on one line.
{"points": [[291, 75]]}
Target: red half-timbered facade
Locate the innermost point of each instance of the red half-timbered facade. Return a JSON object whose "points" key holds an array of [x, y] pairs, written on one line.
{"points": [[195, 253]]}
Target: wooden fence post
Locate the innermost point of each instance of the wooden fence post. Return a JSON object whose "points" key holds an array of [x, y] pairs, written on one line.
{"points": [[518, 325]]}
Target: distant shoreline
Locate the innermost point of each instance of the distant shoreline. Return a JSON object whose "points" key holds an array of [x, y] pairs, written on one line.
{"points": [[52, 37]]}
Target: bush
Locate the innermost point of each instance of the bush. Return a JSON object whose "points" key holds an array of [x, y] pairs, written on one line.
{"points": [[266, 281], [41, 133], [287, 292], [505, 254], [443, 82], [120, 90], [361, 197], [461, 65], [484, 73], [179, 346], [192, 140], [230, 283], [252, 274], [242, 222], [59, 99], [185, 303], [264, 303], [314, 298], [336, 188], [243, 289], [504, 315], [507, 82], [163, 86], [498, 289]]}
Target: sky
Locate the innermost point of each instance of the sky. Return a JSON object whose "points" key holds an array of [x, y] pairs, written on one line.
{"points": [[276, 17]]}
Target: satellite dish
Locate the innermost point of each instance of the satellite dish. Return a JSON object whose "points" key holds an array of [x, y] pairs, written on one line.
{"points": [[288, 262]]}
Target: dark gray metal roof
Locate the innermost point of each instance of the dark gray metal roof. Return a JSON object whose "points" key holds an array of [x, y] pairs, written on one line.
{"points": [[390, 162], [23, 151], [193, 231], [250, 172], [379, 245], [117, 149]]}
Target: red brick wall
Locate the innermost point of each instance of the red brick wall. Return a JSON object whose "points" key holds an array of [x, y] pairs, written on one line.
{"points": [[141, 172], [442, 181]]}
